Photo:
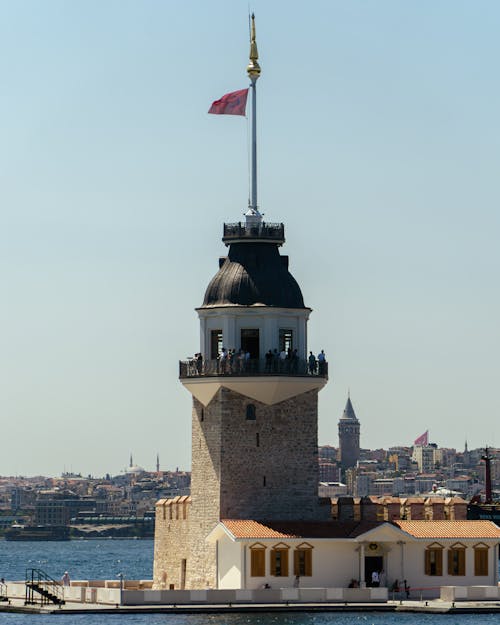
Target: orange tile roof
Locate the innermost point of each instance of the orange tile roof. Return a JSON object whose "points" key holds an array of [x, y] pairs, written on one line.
{"points": [[248, 528], [254, 529], [450, 529]]}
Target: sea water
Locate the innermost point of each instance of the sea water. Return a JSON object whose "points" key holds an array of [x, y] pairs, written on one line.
{"points": [[83, 559], [105, 559]]}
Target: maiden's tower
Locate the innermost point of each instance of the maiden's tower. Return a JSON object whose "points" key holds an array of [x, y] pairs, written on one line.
{"points": [[255, 400]]}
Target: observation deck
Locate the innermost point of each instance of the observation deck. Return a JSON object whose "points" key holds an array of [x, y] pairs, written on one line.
{"points": [[297, 367], [252, 233]]}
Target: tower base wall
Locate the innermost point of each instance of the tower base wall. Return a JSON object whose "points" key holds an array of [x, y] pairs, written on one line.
{"points": [[183, 559]]}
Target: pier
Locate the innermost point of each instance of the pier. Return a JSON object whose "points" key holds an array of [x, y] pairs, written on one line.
{"points": [[136, 597]]}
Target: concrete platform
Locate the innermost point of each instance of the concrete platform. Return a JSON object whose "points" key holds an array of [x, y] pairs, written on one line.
{"points": [[430, 607]]}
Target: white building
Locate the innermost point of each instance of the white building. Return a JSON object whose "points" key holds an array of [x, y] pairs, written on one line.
{"points": [[428, 554]]}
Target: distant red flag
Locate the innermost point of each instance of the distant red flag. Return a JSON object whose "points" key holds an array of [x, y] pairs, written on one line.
{"points": [[234, 103], [423, 439]]}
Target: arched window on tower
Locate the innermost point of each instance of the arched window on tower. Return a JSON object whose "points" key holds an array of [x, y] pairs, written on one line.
{"points": [[251, 412]]}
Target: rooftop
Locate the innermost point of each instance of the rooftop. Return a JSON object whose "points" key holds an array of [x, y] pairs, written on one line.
{"points": [[450, 529]]}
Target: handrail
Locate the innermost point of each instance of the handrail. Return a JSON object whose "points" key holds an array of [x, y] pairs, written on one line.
{"points": [[48, 589], [239, 230], [300, 367]]}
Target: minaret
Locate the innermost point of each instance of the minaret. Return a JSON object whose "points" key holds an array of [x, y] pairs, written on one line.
{"points": [[349, 428], [255, 414]]}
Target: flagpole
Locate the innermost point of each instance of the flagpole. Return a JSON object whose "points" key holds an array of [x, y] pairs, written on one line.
{"points": [[253, 70]]}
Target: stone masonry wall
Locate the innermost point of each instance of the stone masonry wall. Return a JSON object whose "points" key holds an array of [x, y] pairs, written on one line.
{"points": [[348, 444], [264, 469], [270, 464], [172, 542]]}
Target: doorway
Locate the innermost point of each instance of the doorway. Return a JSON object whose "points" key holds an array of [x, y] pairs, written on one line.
{"points": [[373, 563], [250, 342]]}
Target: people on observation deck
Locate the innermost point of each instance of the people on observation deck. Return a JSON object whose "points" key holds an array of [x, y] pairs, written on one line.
{"points": [[321, 362], [312, 363]]}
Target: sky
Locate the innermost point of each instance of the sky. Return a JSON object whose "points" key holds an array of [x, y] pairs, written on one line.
{"points": [[378, 147]]}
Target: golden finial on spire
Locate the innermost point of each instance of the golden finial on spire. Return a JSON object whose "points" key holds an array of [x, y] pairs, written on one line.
{"points": [[253, 68]]}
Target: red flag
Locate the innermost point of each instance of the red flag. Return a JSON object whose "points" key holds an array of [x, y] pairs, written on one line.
{"points": [[423, 439], [233, 103]]}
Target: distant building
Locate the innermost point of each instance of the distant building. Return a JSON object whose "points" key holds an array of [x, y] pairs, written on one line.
{"points": [[328, 471], [55, 507], [423, 455], [349, 428], [331, 489]]}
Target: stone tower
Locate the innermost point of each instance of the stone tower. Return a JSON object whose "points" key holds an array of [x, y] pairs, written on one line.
{"points": [[349, 427], [255, 411]]}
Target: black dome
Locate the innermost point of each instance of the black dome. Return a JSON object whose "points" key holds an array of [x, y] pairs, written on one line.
{"points": [[254, 273]]}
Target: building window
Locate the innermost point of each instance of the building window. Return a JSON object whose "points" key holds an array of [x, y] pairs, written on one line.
{"points": [[434, 560], [302, 560], [250, 412], [215, 343], [286, 339], [257, 440], [456, 559], [257, 560], [481, 559], [279, 560], [202, 415]]}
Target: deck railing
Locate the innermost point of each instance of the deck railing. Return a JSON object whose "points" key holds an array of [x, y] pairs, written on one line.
{"points": [[269, 231], [194, 368]]}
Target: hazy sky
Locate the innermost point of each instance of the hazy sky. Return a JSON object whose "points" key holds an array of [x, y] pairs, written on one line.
{"points": [[379, 147]]}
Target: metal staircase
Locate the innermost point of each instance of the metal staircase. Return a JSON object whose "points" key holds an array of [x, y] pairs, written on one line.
{"points": [[41, 588]]}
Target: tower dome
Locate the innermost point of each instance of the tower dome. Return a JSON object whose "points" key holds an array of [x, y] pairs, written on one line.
{"points": [[253, 274]]}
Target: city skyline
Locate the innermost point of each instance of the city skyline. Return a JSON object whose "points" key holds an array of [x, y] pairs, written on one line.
{"points": [[378, 149]]}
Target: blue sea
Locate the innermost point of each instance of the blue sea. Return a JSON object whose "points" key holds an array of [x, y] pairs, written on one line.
{"points": [[105, 559]]}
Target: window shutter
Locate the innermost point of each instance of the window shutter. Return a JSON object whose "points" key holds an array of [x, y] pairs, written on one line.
{"points": [[461, 561], [257, 563], [273, 562], [427, 562], [450, 562], [253, 563], [439, 561], [480, 562], [309, 562], [262, 563], [284, 562]]}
